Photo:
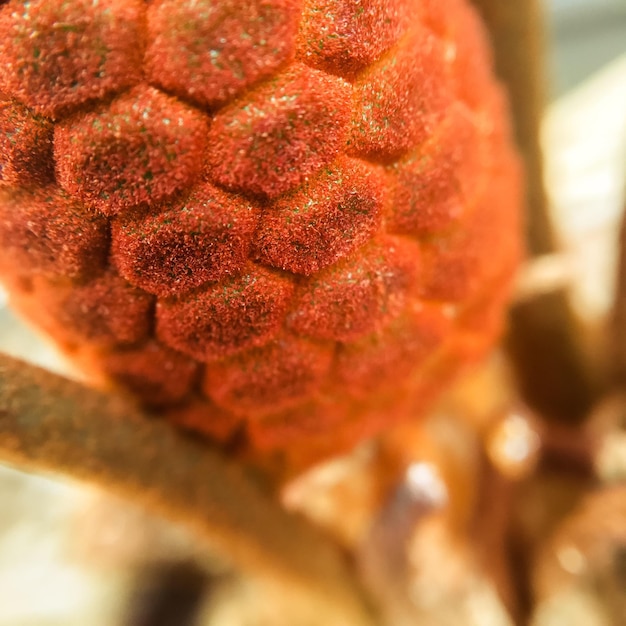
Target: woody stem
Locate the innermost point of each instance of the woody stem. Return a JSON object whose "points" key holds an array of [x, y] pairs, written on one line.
{"points": [[53, 424]]}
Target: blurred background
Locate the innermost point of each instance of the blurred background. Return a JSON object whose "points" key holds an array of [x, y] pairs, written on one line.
{"points": [[71, 556], [585, 36], [584, 140]]}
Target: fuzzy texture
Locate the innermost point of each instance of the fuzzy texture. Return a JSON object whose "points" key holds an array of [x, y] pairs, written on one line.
{"points": [[286, 130], [359, 294], [342, 36], [226, 318], [140, 149], [323, 221], [157, 374], [25, 146], [203, 239], [229, 45], [280, 374], [282, 223], [400, 100], [58, 55], [46, 232], [103, 312]]}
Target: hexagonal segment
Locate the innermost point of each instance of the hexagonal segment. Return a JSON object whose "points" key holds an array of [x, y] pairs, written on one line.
{"points": [[358, 295], [270, 378], [141, 148], [58, 54], [387, 357], [46, 232], [204, 239], [155, 374], [323, 221], [434, 186], [281, 133], [104, 312], [458, 264], [211, 51], [309, 434], [296, 425], [25, 147], [440, 15], [226, 318], [400, 99], [467, 46], [343, 36]]}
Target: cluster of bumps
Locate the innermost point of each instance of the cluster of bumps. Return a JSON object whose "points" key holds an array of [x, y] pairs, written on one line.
{"points": [[284, 223]]}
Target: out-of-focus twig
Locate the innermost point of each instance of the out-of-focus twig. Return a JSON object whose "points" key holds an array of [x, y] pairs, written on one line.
{"points": [[543, 275], [617, 340], [516, 29], [50, 423], [545, 335]]}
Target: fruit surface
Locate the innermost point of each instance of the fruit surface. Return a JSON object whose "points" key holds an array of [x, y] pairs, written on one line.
{"points": [[286, 223]]}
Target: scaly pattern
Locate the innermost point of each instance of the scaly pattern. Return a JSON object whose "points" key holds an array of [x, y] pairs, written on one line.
{"points": [[284, 223]]}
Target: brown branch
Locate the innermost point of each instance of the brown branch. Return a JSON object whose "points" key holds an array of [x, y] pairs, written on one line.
{"points": [[49, 423], [545, 336], [517, 32], [617, 326]]}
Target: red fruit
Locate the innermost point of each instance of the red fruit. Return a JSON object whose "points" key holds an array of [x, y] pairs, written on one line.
{"points": [[290, 220]]}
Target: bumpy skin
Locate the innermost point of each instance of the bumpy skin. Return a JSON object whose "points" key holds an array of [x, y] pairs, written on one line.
{"points": [[282, 222]]}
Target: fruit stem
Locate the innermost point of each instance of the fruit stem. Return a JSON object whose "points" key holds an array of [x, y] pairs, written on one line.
{"points": [[52, 424]]}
